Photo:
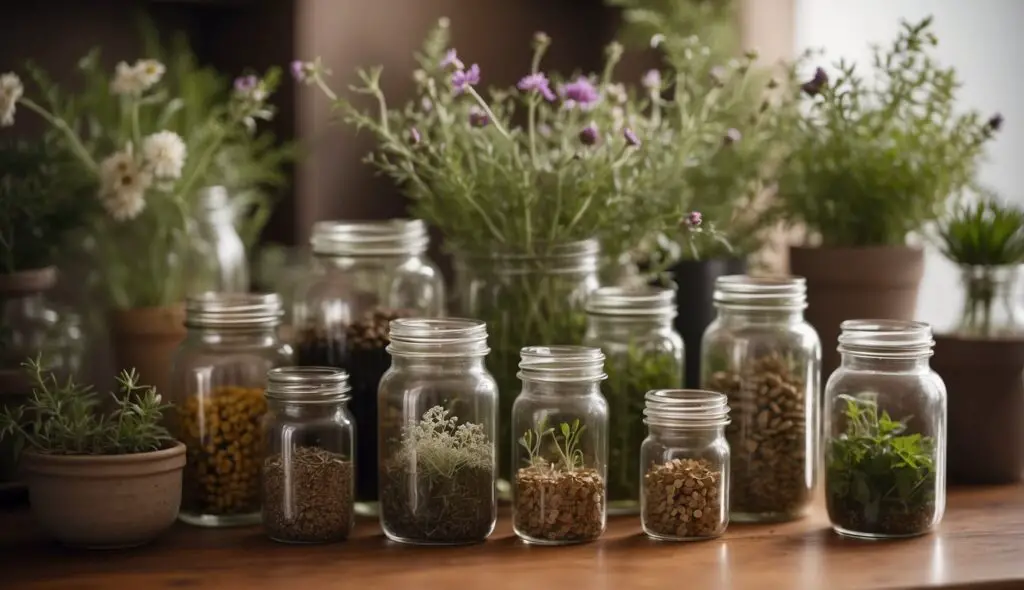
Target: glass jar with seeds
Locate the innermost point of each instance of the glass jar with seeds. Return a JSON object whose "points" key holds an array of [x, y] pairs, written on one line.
{"points": [[364, 275], [436, 427], [684, 493], [885, 432], [218, 379], [633, 326], [308, 474], [561, 447], [761, 353]]}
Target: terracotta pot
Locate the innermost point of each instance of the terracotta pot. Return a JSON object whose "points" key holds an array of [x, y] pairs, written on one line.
{"points": [[878, 282], [146, 338], [105, 501], [985, 383]]}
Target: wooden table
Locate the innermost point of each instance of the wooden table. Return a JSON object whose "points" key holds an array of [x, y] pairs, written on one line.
{"points": [[980, 544]]}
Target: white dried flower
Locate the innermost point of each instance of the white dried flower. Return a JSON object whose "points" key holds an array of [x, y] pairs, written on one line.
{"points": [[134, 80], [11, 90], [123, 184], [164, 154], [149, 71]]}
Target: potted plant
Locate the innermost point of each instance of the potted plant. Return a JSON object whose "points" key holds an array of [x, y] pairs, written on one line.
{"points": [[982, 359], [874, 159], [96, 480]]}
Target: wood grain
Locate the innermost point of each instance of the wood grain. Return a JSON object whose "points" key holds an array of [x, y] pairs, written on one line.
{"points": [[980, 544]]}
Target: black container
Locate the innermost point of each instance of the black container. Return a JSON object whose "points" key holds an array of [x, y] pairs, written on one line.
{"points": [[695, 304]]}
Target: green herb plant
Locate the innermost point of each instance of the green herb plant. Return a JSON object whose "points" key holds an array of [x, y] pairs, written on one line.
{"points": [[565, 441], [879, 479], [714, 20]]}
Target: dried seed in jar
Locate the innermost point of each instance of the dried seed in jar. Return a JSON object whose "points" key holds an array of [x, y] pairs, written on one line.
{"points": [[307, 496], [559, 505], [693, 510]]}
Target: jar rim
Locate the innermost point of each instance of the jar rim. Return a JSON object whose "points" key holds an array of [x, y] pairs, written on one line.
{"points": [[884, 338], [307, 384], [561, 363], [233, 310], [632, 301], [686, 408], [748, 293], [390, 237], [437, 337]]}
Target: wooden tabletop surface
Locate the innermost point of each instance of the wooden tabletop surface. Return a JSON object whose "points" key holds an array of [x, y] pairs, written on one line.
{"points": [[980, 544]]}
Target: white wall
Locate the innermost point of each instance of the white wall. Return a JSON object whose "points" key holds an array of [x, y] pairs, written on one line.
{"points": [[982, 40]]}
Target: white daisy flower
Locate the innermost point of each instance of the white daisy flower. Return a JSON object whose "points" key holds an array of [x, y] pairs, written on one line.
{"points": [[123, 185], [164, 154], [149, 72], [11, 90], [126, 80]]}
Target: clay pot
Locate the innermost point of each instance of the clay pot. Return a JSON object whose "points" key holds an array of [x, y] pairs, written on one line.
{"points": [[985, 384], [146, 338], [878, 282], [105, 501]]}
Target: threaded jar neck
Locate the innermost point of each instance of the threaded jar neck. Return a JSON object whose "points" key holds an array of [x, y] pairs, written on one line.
{"points": [[561, 364], [307, 385], [394, 237], [243, 311], [886, 339], [686, 408], [544, 258], [746, 293], [639, 302], [438, 338]]}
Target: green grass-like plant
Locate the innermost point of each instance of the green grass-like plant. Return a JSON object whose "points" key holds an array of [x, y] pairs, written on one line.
{"points": [[984, 233], [565, 440]]}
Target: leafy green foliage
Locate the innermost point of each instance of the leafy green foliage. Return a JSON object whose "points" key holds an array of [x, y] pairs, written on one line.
{"points": [[565, 441], [714, 20], [63, 418], [985, 233]]}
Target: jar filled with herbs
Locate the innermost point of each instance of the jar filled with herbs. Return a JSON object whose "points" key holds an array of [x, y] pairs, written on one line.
{"points": [[308, 475], [436, 425], [684, 494], [633, 326], [885, 432], [761, 353], [364, 275], [561, 448], [218, 380]]}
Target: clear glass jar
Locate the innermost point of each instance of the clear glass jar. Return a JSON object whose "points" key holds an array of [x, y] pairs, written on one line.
{"points": [[365, 274], [526, 298], [885, 432], [216, 259], [308, 474], [633, 326], [761, 353], [218, 377], [989, 309], [685, 461], [560, 422], [436, 427]]}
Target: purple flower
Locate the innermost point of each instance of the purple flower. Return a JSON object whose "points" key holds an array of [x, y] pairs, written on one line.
{"points": [[298, 70], [631, 137], [478, 118], [693, 220], [652, 80], [581, 92], [589, 135], [537, 83], [815, 85], [246, 84], [462, 79], [414, 136], [732, 136], [995, 122], [451, 58]]}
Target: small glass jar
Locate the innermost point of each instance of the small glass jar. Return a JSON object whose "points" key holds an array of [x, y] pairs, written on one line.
{"points": [[364, 275], [885, 432], [218, 377], [308, 474], [436, 428], [685, 460], [633, 326], [761, 353], [989, 309], [560, 422], [216, 258]]}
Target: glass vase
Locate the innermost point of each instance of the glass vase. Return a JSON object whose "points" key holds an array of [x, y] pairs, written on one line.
{"points": [[989, 309], [215, 259]]}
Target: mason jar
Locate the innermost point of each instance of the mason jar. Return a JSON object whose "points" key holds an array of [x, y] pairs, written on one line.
{"points": [[216, 259], [560, 425], [633, 326], [990, 302], [684, 495], [436, 429], [364, 275], [218, 378], [761, 353], [885, 432], [308, 475]]}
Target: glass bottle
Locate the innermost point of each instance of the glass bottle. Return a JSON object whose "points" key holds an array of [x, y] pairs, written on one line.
{"points": [[885, 432], [633, 326], [989, 309], [308, 475], [218, 377], [761, 353], [685, 461], [436, 428], [364, 275], [216, 259], [560, 422]]}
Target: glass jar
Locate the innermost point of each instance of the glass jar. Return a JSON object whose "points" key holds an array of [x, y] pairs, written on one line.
{"points": [[526, 298], [218, 376], [216, 259], [364, 275], [761, 353], [989, 309], [685, 461], [436, 428], [308, 476], [885, 432], [560, 422], [633, 326]]}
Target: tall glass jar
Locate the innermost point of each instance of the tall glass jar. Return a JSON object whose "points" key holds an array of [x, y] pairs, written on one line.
{"points": [[633, 326], [365, 274], [560, 425], [761, 353], [685, 461], [989, 309], [308, 476], [885, 432], [216, 259], [526, 298], [218, 377], [436, 428]]}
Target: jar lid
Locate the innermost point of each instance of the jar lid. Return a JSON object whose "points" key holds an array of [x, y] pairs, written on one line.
{"points": [[886, 338], [438, 338], [233, 310], [561, 364], [745, 292], [307, 384], [686, 408], [393, 237], [636, 301]]}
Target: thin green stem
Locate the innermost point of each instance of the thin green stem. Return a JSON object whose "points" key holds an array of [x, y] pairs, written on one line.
{"points": [[494, 120], [61, 125]]}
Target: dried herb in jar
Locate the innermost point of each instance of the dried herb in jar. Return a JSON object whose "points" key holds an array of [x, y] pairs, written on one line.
{"points": [[307, 496], [683, 498]]}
